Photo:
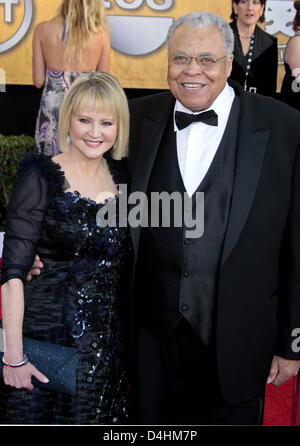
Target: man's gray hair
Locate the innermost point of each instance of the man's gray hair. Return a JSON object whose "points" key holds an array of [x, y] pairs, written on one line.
{"points": [[203, 19]]}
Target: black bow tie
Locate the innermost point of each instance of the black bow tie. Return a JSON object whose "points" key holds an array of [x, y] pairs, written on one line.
{"points": [[185, 119]]}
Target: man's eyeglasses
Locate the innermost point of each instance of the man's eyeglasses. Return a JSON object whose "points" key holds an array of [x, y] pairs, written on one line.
{"points": [[204, 61]]}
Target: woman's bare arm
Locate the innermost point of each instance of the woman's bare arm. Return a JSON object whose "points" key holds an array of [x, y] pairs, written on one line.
{"points": [[38, 60], [103, 64]]}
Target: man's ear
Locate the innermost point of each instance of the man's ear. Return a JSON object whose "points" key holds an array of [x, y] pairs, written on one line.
{"points": [[229, 65]]}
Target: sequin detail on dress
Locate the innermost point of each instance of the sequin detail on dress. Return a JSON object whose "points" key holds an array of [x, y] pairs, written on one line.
{"points": [[76, 301]]}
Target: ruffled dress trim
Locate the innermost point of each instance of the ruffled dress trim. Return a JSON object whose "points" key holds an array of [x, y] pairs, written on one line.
{"points": [[118, 168], [55, 176], [50, 170]]}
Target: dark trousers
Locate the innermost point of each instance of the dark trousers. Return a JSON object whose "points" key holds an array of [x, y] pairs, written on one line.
{"points": [[177, 383]]}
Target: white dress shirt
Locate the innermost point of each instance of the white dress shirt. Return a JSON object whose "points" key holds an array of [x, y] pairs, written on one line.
{"points": [[197, 144]]}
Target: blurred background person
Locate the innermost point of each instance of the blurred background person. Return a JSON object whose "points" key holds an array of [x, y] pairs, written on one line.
{"points": [[76, 40], [291, 82], [255, 51], [290, 93]]}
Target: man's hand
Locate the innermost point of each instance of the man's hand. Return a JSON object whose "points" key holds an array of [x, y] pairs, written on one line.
{"points": [[36, 268], [281, 370]]}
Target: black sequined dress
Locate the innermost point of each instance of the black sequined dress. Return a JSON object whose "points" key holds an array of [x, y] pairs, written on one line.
{"points": [[76, 301]]}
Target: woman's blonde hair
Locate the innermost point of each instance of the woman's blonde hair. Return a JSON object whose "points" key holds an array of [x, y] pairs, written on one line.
{"points": [[103, 91], [81, 19]]}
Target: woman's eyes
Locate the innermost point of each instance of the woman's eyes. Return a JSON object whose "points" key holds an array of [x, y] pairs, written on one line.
{"points": [[87, 121]]}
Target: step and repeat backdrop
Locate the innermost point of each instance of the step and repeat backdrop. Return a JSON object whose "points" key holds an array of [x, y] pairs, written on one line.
{"points": [[138, 29]]}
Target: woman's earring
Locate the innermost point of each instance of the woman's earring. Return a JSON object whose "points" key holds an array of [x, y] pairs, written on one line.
{"points": [[68, 140]]}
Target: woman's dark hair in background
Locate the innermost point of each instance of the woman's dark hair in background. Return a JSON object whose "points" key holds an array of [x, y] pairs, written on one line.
{"points": [[262, 2], [296, 22]]}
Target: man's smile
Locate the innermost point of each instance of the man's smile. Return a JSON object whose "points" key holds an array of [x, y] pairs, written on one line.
{"points": [[193, 86]]}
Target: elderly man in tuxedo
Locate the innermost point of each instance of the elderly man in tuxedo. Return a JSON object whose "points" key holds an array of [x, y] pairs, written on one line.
{"points": [[214, 315]]}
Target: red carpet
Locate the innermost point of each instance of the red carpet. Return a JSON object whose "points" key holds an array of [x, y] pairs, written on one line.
{"points": [[278, 404]]}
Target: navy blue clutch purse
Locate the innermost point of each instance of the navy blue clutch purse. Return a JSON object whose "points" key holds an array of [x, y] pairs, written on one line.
{"points": [[57, 362]]}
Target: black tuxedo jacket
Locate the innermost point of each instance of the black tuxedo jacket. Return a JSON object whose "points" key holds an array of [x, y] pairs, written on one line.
{"points": [[258, 303]]}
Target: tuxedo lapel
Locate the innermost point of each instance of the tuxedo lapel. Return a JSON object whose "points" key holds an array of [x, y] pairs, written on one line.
{"points": [[252, 141], [154, 125]]}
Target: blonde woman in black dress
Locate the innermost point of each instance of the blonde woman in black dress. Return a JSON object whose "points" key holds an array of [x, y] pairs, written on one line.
{"points": [[76, 300]]}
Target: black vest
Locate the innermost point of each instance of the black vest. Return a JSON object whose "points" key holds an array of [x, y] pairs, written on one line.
{"points": [[177, 276]]}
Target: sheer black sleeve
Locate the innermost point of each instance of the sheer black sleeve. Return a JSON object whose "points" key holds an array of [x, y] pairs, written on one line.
{"points": [[28, 202]]}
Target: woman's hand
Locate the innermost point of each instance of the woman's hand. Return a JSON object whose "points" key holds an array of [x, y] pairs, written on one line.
{"points": [[20, 377]]}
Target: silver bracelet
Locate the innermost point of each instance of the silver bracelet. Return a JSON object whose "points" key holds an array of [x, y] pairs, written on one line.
{"points": [[19, 364]]}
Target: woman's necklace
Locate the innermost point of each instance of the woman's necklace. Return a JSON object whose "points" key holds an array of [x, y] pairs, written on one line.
{"points": [[248, 65], [245, 37]]}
